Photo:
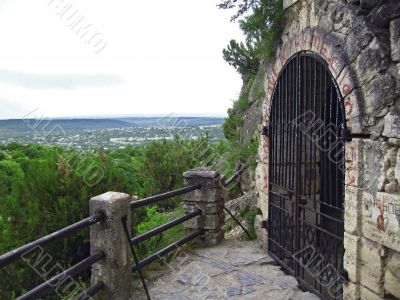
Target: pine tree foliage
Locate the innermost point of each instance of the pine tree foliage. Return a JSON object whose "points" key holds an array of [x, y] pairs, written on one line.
{"points": [[261, 22]]}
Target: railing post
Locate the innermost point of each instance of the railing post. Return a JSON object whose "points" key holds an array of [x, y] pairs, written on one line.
{"points": [[209, 200], [115, 271]]}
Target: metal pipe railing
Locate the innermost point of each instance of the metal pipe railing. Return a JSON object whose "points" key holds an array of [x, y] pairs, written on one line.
{"points": [[234, 176], [52, 283], [237, 221], [160, 197], [90, 292], [140, 238], [15, 254], [167, 249]]}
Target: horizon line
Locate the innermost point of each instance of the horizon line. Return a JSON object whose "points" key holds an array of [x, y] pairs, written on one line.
{"points": [[100, 117]]}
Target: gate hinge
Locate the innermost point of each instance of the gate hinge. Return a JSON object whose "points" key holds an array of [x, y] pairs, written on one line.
{"points": [[345, 275], [265, 131], [347, 136], [264, 224]]}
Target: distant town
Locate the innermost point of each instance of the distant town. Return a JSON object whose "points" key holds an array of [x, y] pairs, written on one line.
{"points": [[87, 134]]}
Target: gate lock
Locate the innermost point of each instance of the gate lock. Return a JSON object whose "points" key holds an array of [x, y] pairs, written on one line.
{"points": [[265, 131], [264, 224]]}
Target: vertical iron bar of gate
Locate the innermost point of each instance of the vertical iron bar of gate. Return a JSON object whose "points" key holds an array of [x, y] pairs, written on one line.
{"points": [[302, 100], [326, 164], [282, 150], [322, 163], [303, 161], [307, 162], [287, 162], [306, 188], [330, 137], [271, 169], [332, 188], [296, 199], [279, 124], [283, 146], [337, 132], [291, 202], [314, 151], [337, 195], [293, 154], [300, 179]]}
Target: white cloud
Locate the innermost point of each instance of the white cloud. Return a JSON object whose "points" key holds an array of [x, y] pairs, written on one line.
{"points": [[165, 56], [66, 81]]}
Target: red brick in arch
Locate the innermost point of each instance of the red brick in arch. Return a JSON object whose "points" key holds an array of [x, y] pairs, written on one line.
{"points": [[328, 48]]}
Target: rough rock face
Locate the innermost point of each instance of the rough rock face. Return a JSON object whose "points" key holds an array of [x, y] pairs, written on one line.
{"points": [[247, 180], [261, 232], [236, 204], [395, 39], [392, 274], [252, 123], [253, 117], [392, 123], [360, 42]]}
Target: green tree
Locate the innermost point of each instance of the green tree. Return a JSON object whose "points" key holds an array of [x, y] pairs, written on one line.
{"points": [[243, 58], [233, 123], [261, 22], [43, 189], [163, 165], [242, 6]]}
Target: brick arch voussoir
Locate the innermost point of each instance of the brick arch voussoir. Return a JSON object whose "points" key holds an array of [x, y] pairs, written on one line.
{"points": [[329, 49]]}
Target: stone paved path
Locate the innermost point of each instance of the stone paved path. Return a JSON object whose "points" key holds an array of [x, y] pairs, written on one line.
{"points": [[231, 270]]}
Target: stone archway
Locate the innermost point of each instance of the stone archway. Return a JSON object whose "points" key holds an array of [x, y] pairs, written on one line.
{"points": [[306, 174], [323, 44], [312, 40], [362, 52]]}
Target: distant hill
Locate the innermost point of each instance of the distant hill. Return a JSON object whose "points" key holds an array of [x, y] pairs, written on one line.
{"points": [[26, 125], [173, 121], [19, 125]]}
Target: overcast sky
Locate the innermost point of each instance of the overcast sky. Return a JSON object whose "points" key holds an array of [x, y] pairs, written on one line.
{"points": [[137, 57]]}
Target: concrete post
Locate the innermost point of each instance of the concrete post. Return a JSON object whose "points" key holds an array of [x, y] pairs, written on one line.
{"points": [[115, 270], [209, 200]]}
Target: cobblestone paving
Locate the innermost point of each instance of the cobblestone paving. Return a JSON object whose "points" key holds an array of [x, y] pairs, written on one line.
{"points": [[231, 270]]}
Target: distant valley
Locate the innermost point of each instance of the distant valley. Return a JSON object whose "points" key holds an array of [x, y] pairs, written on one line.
{"points": [[86, 134]]}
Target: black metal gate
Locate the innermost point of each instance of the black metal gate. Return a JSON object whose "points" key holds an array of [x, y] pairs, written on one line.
{"points": [[306, 175]]}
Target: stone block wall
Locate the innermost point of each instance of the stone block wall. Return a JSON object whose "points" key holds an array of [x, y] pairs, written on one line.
{"points": [[360, 42], [209, 200], [372, 217]]}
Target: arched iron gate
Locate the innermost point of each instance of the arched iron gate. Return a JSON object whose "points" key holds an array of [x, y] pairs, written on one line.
{"points": [[306, 175]]}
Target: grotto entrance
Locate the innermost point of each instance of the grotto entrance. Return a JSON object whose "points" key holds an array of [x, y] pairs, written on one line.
{"points": [[306, 175]]}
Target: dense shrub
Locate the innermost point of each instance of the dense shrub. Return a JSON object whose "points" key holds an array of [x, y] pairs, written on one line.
{"points": [[43, 189]]}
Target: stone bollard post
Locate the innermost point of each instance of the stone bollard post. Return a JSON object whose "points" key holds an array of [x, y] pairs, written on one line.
{"points": [[115, 270], [209, 200]]}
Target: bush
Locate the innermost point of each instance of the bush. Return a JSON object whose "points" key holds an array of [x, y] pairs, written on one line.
{"points": [[155, 219], [163, 165], [233, 123], [43, 189], [249, 215]]}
